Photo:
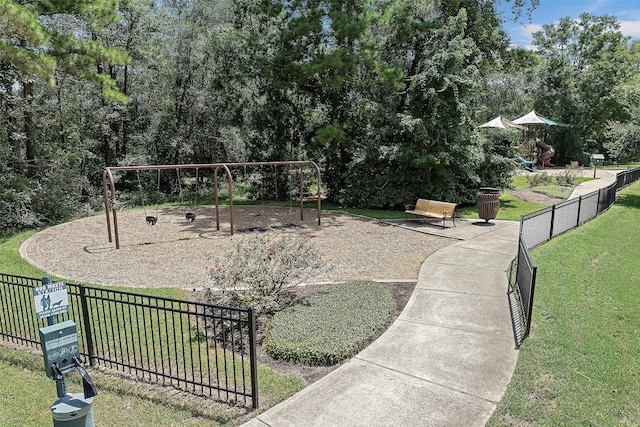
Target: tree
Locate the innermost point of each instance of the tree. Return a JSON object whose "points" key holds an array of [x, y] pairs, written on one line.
{"points": [[386, 86], [383, 94], [21, 34], [40, 41], [34, 47], [434, 50], [623, 136], [584, 61]]}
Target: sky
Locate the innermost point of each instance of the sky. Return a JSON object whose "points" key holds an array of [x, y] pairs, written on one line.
{"points": [[549, 11]]}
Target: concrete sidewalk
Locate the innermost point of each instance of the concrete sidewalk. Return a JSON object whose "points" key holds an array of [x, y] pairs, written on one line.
{"points": [[446, 361], [606, 178]]}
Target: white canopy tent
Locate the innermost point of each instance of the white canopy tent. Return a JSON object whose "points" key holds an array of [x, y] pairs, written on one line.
{"points": [[502, 122], [533, 118]]}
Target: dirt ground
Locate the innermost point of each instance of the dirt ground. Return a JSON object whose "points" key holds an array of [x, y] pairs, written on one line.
{"points": [[176, 253]]}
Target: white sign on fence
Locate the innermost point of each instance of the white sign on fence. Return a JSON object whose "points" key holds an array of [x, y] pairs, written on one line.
{"points": [[51, 299]]}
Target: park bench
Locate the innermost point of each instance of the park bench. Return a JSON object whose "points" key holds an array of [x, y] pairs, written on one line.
{"points": [[433, 209]]}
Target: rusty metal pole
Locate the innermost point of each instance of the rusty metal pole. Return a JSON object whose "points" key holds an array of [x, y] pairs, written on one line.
{"points": [[114, 208], [215, 195], [319, 190], [106, 203], [107, 172], [300, 193], [230, 180]]}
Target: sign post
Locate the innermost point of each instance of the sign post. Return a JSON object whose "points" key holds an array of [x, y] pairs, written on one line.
{"points": [[61, 354], [51, 299]]}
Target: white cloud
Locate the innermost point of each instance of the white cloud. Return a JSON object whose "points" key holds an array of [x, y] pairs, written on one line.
{"points": [[522, 36], [528, 29], [629, 22], [530, 47], [632, 14], [630, 28]]}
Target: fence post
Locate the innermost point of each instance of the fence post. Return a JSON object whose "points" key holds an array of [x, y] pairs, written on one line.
{"points": [[534, 273], [88, 338], [579, 209], [553, 214], [253, 358]]}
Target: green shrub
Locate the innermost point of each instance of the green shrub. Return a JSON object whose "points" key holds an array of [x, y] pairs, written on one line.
{"points": [[261, 269], [538, 179], [568, 177], [330, 325]]}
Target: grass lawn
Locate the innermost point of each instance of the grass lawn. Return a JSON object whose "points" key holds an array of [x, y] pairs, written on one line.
{"points": [[550, 189], [511, 208], [27, 394], [580, 365]]}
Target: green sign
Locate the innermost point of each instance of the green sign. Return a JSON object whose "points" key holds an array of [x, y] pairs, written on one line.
{"points": [[59, 345]]}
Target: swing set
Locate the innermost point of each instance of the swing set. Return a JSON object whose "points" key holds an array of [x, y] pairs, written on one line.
{"points": [[110, 201]]}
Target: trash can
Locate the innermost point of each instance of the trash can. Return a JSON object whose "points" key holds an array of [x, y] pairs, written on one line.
{"points": [[73, 410], [488, 203]]}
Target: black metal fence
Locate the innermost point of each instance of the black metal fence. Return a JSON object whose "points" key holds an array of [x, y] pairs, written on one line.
{"points": [[543, 225], [200, 348]]}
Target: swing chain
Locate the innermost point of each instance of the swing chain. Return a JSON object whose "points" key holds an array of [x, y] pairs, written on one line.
{"points": [[189, 216], [151, 220]]}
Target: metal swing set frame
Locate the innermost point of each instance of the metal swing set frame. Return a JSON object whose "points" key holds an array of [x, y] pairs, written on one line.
{"points": [[109, 188]]}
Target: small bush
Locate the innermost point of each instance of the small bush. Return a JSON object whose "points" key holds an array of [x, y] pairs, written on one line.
{"points": [[538, 179], [261, 269], [568, 177], [330, 325]]}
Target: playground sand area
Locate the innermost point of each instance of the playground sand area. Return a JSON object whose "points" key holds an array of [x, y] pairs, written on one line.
{"points": [[176, 253]]}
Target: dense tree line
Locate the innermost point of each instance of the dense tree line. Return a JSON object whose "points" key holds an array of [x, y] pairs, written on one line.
{"points": [[385, 95]]}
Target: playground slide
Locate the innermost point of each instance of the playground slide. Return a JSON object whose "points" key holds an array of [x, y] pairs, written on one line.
{"points": [[527, 164], [547, 153]]}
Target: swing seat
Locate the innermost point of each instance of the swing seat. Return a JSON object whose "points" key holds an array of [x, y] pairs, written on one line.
{"points": [[190, 216], [151, 220]]}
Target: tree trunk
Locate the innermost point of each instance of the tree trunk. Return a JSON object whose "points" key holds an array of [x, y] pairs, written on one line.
{"points": [[418, 51], [63, 132], [124, 124], [27, 93]]}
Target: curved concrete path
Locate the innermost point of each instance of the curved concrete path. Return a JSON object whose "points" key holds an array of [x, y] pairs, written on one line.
{"points": [[446, 360]]}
